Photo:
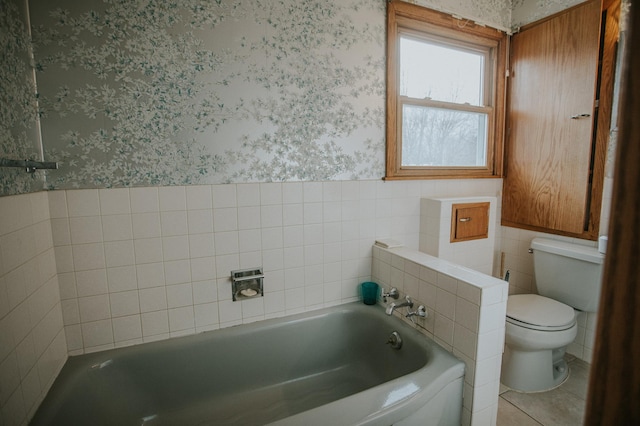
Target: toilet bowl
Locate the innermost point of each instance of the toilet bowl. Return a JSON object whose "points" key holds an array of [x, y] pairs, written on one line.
{"points": [[536, 333], [540, 326]]}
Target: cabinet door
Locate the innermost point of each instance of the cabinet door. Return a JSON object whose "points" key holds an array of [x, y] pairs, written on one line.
{"points": [[552, 91], [469, 221]]}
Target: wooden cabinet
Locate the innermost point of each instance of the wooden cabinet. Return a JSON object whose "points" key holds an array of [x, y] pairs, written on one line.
{"points": [[469, 221], [554, 159]]}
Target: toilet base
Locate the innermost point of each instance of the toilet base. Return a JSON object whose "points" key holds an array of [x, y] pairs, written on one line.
{"points": [[533, 371]]}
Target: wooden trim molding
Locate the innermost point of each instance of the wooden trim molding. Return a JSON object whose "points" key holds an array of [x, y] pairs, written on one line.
{"points": [[614, 388], [407, 17]]}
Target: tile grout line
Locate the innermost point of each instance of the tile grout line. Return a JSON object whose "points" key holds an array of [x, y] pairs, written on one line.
{"points": [[520, 410]]}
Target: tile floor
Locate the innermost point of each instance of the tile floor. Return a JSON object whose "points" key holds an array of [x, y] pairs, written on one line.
{"points": [[563, 406]]}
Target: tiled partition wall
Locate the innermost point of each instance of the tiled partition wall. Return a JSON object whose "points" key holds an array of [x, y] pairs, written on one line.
{"points": [[465, 314], [435, 234], [142, 264], [32, 341]]}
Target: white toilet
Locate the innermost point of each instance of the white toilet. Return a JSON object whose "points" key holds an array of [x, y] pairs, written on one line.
{"points": [[539, 327]]}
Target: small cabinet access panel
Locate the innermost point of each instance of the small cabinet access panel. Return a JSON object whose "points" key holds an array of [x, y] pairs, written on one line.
{"points": [[469, 221]]}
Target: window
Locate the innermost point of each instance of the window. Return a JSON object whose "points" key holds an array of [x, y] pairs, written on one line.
{"points": [[445, 95]]}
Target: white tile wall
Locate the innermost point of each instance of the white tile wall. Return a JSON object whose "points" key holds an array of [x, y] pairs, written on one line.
{"points": [[144, 264], [32, 341], [466, 315]]}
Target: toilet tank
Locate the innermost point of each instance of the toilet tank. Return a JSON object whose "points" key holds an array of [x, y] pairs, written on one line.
{"points": [[568, 273]]}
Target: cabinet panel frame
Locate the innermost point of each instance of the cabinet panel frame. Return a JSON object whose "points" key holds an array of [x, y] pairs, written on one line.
{"points": [[587, 226]]}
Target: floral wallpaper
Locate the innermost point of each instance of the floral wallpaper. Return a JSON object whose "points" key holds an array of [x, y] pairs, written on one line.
{"points": [[527, 11], [165, 92], [159, 92], [18, 107], [493, 13], [171, 93]]}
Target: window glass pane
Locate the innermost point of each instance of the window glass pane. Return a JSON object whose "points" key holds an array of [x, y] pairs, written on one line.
{"points": [[441, 137], [429, 70]]}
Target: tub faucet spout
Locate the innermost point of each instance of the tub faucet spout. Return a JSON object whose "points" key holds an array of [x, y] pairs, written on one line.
{"points": [[393, 306]]}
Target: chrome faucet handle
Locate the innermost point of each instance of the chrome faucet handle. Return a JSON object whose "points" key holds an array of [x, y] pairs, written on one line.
{"points": [[393, 293], [421, 312]]}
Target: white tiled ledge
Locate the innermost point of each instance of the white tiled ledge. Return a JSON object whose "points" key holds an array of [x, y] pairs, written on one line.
{"points": [[466, 315], [474, 278]]}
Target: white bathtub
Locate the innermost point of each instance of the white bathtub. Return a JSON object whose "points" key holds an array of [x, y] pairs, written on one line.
{"points": [[326, 367]]}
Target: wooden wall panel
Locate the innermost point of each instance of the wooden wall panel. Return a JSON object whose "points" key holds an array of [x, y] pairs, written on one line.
{"points": [[553, 77]]}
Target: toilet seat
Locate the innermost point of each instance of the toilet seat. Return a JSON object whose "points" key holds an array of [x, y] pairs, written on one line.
{"points": [[539, 313]]}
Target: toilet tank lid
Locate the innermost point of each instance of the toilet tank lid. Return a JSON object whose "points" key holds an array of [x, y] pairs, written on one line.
{"points": [[576, 251], [539, 310]]}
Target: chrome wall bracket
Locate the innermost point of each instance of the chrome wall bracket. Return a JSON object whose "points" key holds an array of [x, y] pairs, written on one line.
{"points": [[247, 283]]}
